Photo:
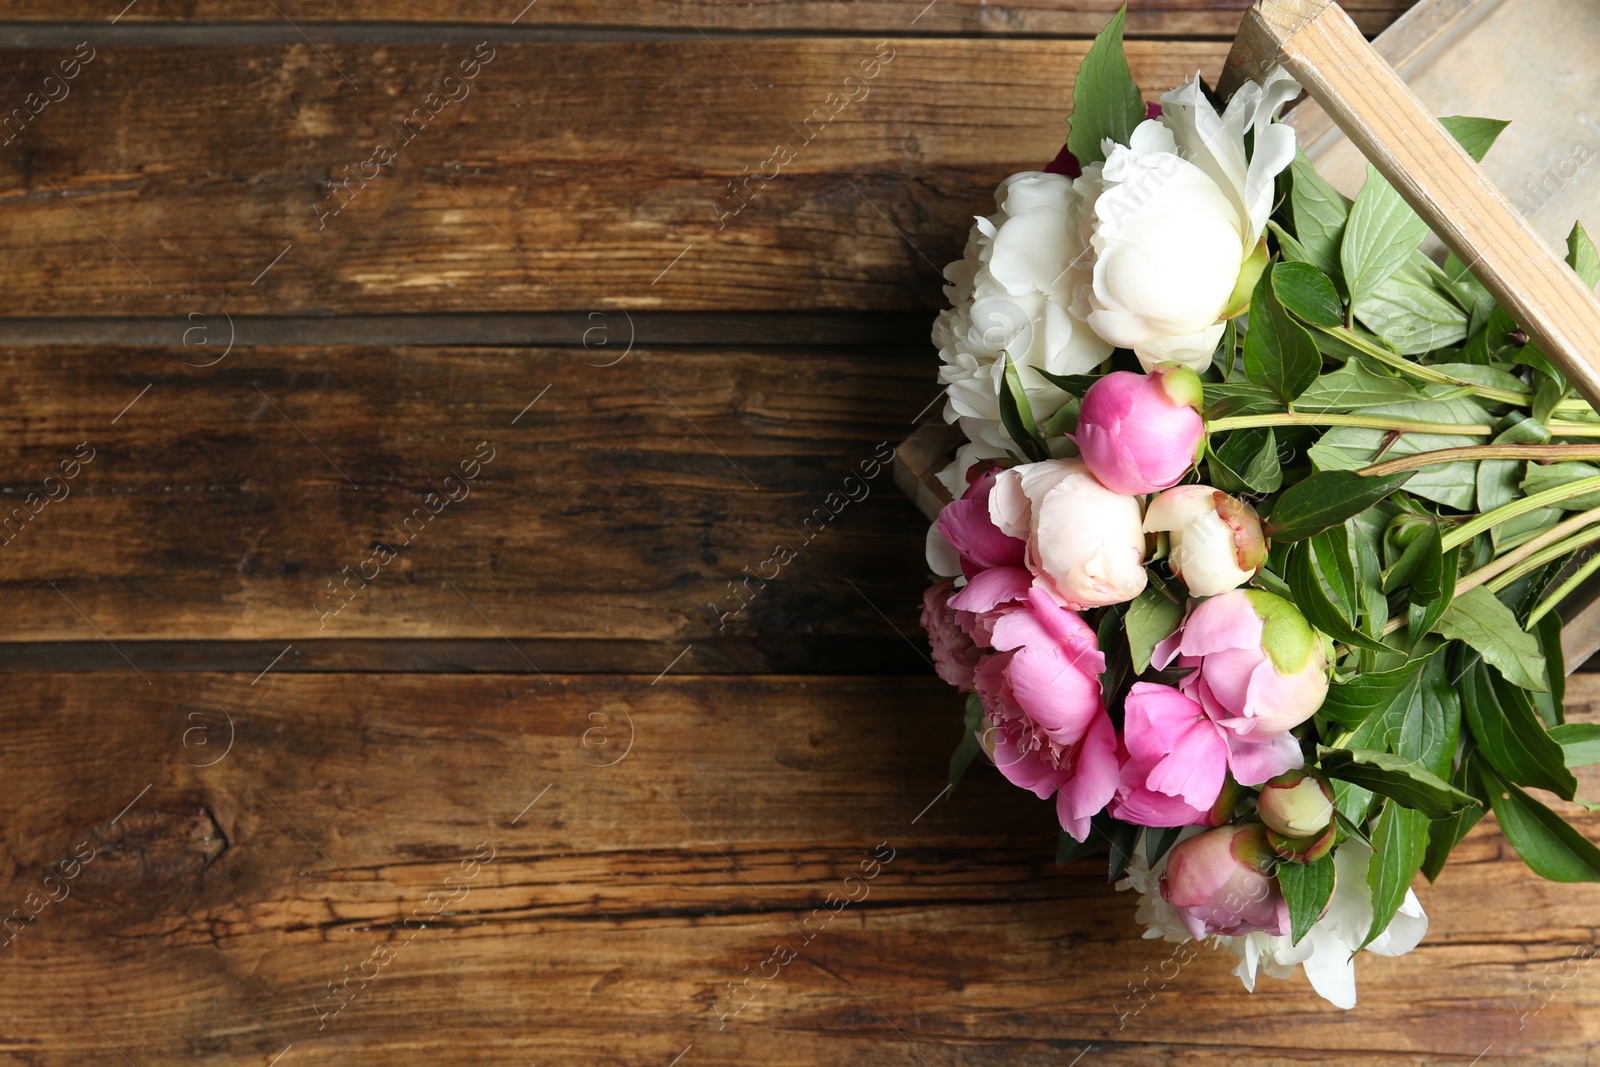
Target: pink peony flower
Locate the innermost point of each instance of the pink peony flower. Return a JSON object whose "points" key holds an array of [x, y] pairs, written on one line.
{"points": [[1140, 433], [967, 526], [955, 656], [1221, 882], [1085, 543], [1261, 669], [1216, 539], [1041, 690], [1179, 758]]}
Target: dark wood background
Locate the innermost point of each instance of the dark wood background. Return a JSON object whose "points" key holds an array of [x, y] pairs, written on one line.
{"points": [[552, 671]]}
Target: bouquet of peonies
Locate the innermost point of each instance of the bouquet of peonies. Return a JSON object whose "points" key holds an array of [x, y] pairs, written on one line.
{"points": [[1257, 530]]}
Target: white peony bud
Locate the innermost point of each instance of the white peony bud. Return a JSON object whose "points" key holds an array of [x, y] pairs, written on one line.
{"points": [[1216, 540]]}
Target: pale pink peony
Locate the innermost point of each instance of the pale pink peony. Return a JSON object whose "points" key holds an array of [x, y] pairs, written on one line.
{"points": [[1178, 761], [955, 656], [1221, 882], [1140, 433], [1261, 669], [1085, 543], [1041, 690]]}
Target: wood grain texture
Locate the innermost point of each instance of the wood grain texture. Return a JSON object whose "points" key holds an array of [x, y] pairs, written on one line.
{"points": [[572, 176], [637, 502], [1156, 18], [621, 900]]}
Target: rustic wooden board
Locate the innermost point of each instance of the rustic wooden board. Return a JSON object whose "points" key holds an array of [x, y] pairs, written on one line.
{"points": [[621, 899], [1157, 18], [545, 188], [619, 503]]}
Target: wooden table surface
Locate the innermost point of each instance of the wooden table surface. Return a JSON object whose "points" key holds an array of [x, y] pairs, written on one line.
{"points": [[380, 687]]}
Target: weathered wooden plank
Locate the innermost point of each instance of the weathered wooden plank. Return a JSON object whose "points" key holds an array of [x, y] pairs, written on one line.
{"points": [[639, 502], [310, 180], [621, 900], [1153, 18]]}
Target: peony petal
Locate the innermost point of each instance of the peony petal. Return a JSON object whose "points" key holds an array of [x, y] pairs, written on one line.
{"points": [[943, 559], [1225, 621], [1026, 770], [1331, 968], [1094, 779], [1277, 703], [1254, 762], [989, 589]]}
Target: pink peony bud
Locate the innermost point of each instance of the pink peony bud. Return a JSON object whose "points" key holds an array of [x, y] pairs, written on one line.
{"points": [[1216, 539], [1221, 882], [1140, 433], [1262, 669], [1085, 543]]}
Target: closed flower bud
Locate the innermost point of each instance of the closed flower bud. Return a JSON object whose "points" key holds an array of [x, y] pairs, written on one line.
{"points": [[1216, 539], [1222, 882], [1140, 433], [1302, 849], [1296, 804]]}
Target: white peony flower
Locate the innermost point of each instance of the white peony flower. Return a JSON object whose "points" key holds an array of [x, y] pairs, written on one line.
{"points": [[1174, 216], [1328, 950], [1011, 294]]}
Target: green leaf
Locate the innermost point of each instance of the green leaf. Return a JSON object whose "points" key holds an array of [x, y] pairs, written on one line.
{"points": [[1400, 844], [1227, 399], [1430, 732], [1016, 414], [1321, 575], [1582, 257], [1152, 617], [1123, 838], [1509, 734], [1308, 293], [1579, 741], [1445, 834], [1380, 237], [1477, 136], [1409, 312], [1247, 462], [972, 722], [1498, 483], [1307, 888], [1158, 841], [1353, 702], [1320, 214], [1402, 780], [1327, 498], [1278, 352], [1541, 476], [1433, 582], [1071, 384], [1119, 663], [1105, 100], [1355, 386], [1552, 705], [1478, 619], [1452, 484], [1547, 843]]}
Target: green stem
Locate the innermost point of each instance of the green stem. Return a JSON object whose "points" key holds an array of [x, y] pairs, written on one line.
{"points": [[1416, 370], [1563, 591], [1539, 559], [1366, 422], [1473, 453], [1516, 556], [1490, 519]]}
